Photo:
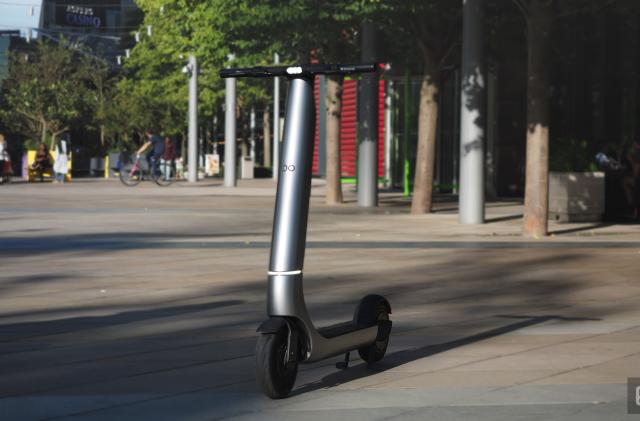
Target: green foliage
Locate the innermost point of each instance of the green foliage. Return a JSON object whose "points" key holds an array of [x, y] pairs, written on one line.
{"points": [[424, 34], [298, 29], [571, 155], [101, 90], [44, 93], [155, 87], [154, 70]]}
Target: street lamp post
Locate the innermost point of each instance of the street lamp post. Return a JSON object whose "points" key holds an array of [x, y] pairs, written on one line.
{"points": [[473, 114], [368, 142], [192, 175], [276, 121], [230, 133]]}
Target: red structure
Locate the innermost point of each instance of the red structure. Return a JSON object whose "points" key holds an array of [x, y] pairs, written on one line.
{"points": [[349, 129]]}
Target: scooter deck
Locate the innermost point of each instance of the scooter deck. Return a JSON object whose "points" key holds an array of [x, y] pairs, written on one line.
{"points": [[343, 328]]}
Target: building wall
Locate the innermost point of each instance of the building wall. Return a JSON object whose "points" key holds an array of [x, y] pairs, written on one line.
{"points": [[103, 26]]}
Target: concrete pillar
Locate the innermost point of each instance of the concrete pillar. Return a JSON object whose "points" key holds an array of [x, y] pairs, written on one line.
{"points": [[473, 114], [368, 139], [388, 132], [276, 121], [322, 127], [192, 175], [252, 134], [230, 133]]}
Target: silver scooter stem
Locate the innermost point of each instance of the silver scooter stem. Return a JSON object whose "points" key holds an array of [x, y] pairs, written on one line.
{"points": [[285, 292], [294, 181]]}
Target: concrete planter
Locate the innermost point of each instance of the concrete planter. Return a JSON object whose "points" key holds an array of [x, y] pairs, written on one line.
{"points": [[576, 196]]}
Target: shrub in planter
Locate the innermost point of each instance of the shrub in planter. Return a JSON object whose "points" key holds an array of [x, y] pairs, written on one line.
{"points": [[576, 187]]}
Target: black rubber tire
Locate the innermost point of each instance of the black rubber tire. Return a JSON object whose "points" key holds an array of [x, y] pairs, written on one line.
{"points": [[129, 179], [373, 308], [274, 377]]}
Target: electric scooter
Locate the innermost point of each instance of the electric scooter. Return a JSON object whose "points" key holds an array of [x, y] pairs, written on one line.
{"points": [[288, 337]]}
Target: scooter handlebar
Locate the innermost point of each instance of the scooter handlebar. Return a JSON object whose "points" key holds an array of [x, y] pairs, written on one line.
{"points": [[299, 71]]}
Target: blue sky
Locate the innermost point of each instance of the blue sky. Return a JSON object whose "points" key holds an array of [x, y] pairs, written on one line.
{"points": [[14, 14]]}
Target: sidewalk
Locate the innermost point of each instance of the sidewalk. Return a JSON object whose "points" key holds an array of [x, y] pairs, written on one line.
{"points": [[142, 303]]}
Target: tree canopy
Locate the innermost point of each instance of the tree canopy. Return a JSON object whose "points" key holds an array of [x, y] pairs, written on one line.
{"points": [[44, 93]]}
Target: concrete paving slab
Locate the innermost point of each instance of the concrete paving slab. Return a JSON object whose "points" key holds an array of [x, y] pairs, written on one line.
{"points": [[120, 303]]}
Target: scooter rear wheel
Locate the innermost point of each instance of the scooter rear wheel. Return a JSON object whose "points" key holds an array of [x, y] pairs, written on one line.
{"points": [[373, 308], [275, 375]]}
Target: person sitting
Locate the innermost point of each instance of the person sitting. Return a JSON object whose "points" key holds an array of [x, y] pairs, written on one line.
{"points": [[42, 162]]}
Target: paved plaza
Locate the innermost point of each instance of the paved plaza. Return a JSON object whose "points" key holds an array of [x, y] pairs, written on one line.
{"points": [[124, 303]]}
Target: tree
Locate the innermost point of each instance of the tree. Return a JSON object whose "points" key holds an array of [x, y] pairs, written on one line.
{"points": [[536, 201], [154, 69], [102, 82], [130, 111], [212, 31], [44, 92], [434, 27], [324, 29], [540, 16]]}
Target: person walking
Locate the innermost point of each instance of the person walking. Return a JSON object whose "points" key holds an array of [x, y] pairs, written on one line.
{"points": [[61, 163], [5, 161], [168, 156]]}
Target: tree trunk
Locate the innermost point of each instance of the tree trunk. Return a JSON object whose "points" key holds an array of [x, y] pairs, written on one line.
{"points": [[597, 59], [266, 137], [536, 195], [43, 134], [628, 67], [333, 168], [102, 136], [425, 159]]}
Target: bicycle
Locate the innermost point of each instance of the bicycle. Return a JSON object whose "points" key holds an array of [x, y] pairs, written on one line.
{"points": [[132, 174]]}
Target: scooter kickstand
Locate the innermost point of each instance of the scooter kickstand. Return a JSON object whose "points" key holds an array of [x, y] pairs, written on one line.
{"points": [[343, 365]]}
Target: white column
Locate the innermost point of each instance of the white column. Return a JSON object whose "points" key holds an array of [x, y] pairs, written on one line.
{"points": [[230, 133], [388, 131], [192, 174], [473, 114], [252, 138], [276, 121], [367, 175]]}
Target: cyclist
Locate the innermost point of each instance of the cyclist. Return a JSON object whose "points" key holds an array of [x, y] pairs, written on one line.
{"points": [[157, 150]]}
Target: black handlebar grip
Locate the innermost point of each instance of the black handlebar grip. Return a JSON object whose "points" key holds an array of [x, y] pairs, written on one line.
{"points": [[239, 72], [297, 71], [358, 68]]}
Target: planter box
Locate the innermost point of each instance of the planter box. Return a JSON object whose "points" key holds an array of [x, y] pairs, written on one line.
{"points": [[576, 196]]}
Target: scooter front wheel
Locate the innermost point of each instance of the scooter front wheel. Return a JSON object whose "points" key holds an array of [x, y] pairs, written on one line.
{"points": [[275, 374]]}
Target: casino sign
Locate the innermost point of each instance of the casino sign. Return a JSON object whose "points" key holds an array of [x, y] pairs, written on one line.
{"points": [[77, 15]]}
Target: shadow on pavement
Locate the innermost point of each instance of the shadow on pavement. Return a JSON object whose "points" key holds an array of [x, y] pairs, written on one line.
{"points": [[398, 358], [21, 331]]}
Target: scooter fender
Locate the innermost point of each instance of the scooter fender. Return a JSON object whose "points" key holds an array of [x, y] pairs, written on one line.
{"points": [[273, 325]]}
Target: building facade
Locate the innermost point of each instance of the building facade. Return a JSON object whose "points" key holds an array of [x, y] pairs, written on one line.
{"points": [[105, 27]]}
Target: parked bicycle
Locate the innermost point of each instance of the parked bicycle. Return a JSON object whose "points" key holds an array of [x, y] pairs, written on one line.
{"points": [[133, 173]]}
